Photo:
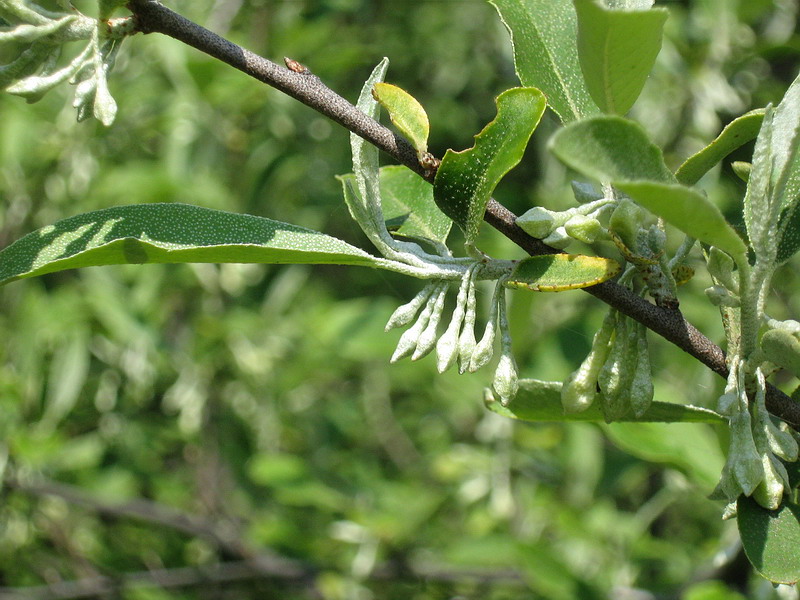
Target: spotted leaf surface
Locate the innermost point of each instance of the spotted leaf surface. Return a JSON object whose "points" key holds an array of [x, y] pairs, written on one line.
{"points": [[170, 233], [544, 38], [405, 112], [561, 272], [465, 180]]}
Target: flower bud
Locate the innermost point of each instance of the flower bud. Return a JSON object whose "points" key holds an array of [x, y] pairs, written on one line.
{"points": [[538, 222], [583, 228]]}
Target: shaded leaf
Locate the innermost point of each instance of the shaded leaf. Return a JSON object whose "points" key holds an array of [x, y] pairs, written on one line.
{"points": [[544, 38], [771, 539], [465, 180], [408, 205], [405, 112], [561, 272], [170, 233], [539, 401], [617, 50], [735, 134]]}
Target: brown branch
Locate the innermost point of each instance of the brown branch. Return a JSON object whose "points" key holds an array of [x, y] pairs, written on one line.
{"points": [[301, 84]]}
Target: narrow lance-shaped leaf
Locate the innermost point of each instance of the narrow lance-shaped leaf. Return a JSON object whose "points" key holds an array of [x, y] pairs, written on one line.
{"points": [[736, 133], [618, 151], [544, 37], [617, 50], [405, 112], [560, 272], [171, 233], [465, 180]]}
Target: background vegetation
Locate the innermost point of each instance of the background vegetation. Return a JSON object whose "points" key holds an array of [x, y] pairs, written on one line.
{"points": [[253, 408]]}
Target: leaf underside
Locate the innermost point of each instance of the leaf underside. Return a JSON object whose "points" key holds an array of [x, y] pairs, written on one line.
{"points": [[170, 233], [617, 50]]}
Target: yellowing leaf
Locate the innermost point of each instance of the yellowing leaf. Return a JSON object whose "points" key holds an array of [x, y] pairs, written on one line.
{"points": [[561, 272], [405, 112]]}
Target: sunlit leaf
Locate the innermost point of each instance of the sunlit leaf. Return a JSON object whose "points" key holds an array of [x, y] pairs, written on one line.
{"points": [[560, 272], [544, 37], [736, 133], [170, 233], [611, 149], [618, 151], [617, 50], [465, 180], [771, 539], [405, 112], [688, 210]]}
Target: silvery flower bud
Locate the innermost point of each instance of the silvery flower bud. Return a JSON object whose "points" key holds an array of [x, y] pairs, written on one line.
{"points": [[538, 222]]}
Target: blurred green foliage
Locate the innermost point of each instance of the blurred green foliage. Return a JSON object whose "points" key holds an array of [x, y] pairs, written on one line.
{"points": [[259, 400]]}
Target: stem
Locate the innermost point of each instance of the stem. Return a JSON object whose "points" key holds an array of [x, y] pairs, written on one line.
{"points": [[153, 17]]}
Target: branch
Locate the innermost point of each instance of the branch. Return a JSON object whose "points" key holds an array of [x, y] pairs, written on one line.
{"points": [[301, 84]]}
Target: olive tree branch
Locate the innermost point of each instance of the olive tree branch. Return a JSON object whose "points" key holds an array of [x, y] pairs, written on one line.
{"points": [[298, 82]]}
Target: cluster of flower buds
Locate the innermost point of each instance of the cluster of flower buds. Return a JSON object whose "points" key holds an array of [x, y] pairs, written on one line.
{"points": [[618, 365], [757, 444], [458, 343], [36, 70]]}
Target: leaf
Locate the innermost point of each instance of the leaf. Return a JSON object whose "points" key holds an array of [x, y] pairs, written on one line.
{"points": [[539, 401], [560, 272], [544, 39], [771, 539], [773, 190], [617, 50], [408, 204], [736, 133], [610, 149], [405, 112], [783, 349], [465, 180], [688, 210], [789, 225], [171, 233], [692, 448], [618, 151]]}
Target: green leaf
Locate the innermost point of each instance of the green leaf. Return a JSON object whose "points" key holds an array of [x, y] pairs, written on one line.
{"points": [[465, 180], [790, 239], [736, 133], [783, 349], [617, 50], [408, 205], [618, 151], [692, 448], [560, 272], [610, 149], [771, 539], [544, 38], [539, 401], [405, 112], [171, 233], [688, 210]]}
